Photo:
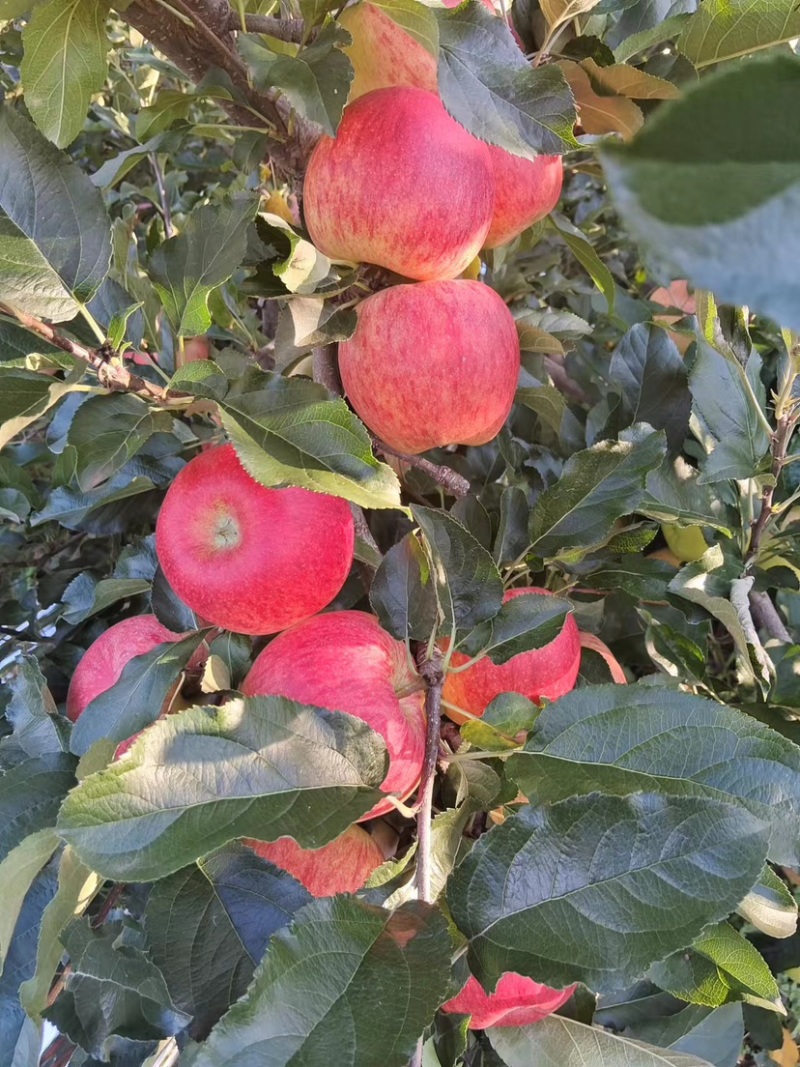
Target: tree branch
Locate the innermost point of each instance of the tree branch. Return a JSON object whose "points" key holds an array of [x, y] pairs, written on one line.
{"points": [[430, 668], [284, 29], [325, 369], [780, 446], [455, 483]]}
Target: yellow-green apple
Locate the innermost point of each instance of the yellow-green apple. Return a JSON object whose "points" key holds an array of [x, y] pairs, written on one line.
{"points": [[401, 185], [432, 364], [517, 1001], [686, 543], [542, 674], [248, 558], [341, 866], [525, 191], [344, 661]]}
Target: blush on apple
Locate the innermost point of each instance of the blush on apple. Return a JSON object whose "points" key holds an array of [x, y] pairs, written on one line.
{"points": [[341, 866], [344, 661], [248, 558], [525, 191], [402, 185], [517, 1001], [432, 364], [541, 674]]}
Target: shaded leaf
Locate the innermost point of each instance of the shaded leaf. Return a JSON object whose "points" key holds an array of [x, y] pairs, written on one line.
{"points": [[584, 252], [31, 795], [595, 888], [402, 593], [261, 767], [522, 624], [107, 431], [38, 730], [24, 397], [17, 872], [725, 29]]}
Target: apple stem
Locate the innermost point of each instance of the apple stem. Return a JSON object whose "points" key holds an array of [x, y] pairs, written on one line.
{"points": [[430, 670]]}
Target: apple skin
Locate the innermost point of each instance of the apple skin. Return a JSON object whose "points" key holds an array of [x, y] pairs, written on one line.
{"points": [[342, 866], [517, 1001], [541, 674], [344, 661], [525, 191], [383, 54], [248, 558], [675, 295], [686, 543], [402, 185], [105, 659], [432, 364]]}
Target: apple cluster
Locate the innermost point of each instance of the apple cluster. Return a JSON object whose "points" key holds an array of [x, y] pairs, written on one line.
{"points": [[434, 361]]}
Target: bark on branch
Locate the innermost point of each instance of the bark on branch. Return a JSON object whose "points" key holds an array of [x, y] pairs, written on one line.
{"points": [[430, 668]]}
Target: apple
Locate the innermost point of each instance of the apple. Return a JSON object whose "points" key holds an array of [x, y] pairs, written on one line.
{"points": [[341, 866], [541, 674], [525, 191], [344, 661], [383, 54], [517, 1001], [402, 185], [432, 364], [248, 558], [676, 295], [686, 543]]}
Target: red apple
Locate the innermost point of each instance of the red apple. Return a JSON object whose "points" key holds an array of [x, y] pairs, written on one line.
{"points": [[541, 674], [344, 661], [104, 660], [525, 191], [432, 364], [517, 1001], [342, 866], [248, 558], [402, 185]]}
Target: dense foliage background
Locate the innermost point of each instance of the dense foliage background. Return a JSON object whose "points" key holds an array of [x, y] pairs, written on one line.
{"points": [[151, 165]]}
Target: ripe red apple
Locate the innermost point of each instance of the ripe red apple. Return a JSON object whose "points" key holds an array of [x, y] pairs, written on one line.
{"points": [[541, 674], [517, 1001], [525, 191], [432, 364], [105, 659], [344, 661], [342, 866], [248, 558], [402, 185]]}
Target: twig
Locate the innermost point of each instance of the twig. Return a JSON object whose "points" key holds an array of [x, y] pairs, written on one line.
{"points": [[111, 375], [562, 380], [766, 616], [284, 29], [780, 446], [169, 229], [455, 483], [58, 1053], [431, 671]]}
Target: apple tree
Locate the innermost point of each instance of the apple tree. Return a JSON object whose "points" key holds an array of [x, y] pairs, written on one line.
{"points": [[400, 602]]}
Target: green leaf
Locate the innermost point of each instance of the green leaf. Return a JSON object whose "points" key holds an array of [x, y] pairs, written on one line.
{"points": [[202, 377], [137, 697], [169, 106], [31, 795], [369, 982], [288, 431], [77, 886], [649, 373], [468, 584], [111, 988], [640, 577], [512, 532], [726, 29], [521, 625], [17, 872], [402, 593], [674, 493], [20, 348], [64, 64], [489, 87], [597, 487], [115, 168], [596, 888], [416, 19], [55, 239], [38, 728], [261, 767], [663, 30], [24, 397], [544, 1044], [726, 403], [770, 906], [304, 268], [584, 252], [84, 596], [187, 267], [107, 431], [208, 925], [716, 171], [622, 738], [316, 81]]}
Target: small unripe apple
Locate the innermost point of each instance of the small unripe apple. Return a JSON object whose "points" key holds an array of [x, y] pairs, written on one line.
{"points": [[525, 191], [542, 674], [341, 866], [247, 558], [686, 543], [517, 1001], [344, 661], [401, 185], [432, 364]]}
